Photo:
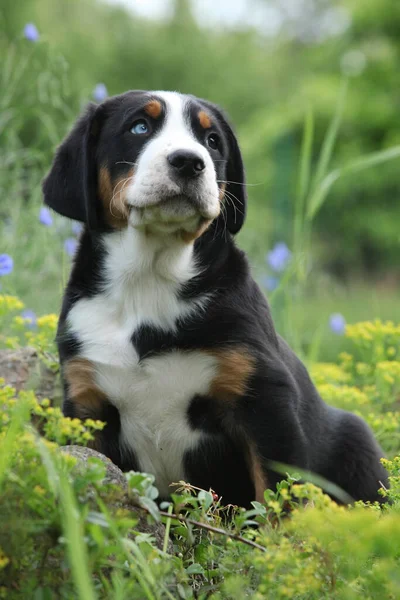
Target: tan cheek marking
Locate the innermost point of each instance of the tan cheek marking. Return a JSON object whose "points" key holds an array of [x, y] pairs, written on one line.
{"points": [[235, 367], [88, 399], [222, 192], [205, 120], [113, 197], [190, 236], [153, 109]]}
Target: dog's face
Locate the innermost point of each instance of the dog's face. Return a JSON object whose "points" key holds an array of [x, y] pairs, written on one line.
{"points": [[159, 161]]}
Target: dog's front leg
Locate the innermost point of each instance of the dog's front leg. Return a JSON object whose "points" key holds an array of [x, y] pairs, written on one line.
{"points": [[84, 400], [272, 432]]}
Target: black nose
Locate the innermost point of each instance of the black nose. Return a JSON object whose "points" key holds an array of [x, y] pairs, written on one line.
{"points": [[186, 163]]}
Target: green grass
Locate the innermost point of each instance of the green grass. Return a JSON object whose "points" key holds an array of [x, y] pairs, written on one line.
{"points": [[65, 534]]}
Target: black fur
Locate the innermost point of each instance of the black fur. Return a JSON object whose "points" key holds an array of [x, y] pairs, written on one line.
{"points": [[281, 413]]}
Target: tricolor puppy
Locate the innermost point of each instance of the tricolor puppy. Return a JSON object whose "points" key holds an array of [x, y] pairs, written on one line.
{"points": [[163, 333]]}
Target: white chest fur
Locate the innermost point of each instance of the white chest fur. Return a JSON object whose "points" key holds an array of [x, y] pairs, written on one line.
{"points": [[142, 280]]}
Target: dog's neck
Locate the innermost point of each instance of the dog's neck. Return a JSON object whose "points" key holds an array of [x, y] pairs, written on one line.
{"points": [[132, 253]]}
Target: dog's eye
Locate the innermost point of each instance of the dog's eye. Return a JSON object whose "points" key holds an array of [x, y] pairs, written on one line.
{"points": [[213, 141], [140, 127]]}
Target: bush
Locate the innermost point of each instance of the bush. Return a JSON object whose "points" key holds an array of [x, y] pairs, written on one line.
{"points": [[60, 538]]}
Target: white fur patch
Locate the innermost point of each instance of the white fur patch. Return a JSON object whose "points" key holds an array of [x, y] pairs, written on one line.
{"points": [[142, 278], [153, 398]]}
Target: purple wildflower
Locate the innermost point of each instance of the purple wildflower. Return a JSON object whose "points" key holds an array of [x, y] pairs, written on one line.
{"points": [[77, 228], [279, 257], [6, 264], [337, 323], [45, 217], [30, 317], [270, 282], [100, 92], [31, 33], [70, 246]]}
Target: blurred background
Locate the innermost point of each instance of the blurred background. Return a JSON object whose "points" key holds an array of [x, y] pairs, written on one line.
{"points": [[312, 88]]}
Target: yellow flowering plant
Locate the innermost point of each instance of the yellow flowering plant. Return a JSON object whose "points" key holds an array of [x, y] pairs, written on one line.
{"points": [[60, 536]]}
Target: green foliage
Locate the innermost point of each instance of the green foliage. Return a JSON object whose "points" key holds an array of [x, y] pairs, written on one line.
{"points": [[267, 85], [65, 533]]}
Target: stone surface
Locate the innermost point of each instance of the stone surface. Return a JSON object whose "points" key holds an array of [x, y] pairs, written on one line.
{"points": [[23, 369], [115, 476]]}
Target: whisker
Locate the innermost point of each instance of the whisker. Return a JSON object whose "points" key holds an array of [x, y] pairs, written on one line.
{"points": [[232, 197], [123, 183], [125, 162], [238, 182], [233, 204], [225, 218]]}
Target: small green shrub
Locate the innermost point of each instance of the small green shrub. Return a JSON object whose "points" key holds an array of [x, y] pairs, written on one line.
{"points": [[64, 533]]}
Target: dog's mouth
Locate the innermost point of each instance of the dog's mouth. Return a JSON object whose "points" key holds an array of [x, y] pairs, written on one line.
{"points": [[175, 213]]}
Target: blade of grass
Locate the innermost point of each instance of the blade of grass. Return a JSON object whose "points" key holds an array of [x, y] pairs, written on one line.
{"points": [[330, 137], [20, 416], [327, 486], [72, 527], [140, 566], [167, 529], [303, 179], [370, 160]]}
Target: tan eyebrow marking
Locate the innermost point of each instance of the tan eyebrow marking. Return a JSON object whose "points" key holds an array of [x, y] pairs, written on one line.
{"points": [[205, 120], [153, 108]]}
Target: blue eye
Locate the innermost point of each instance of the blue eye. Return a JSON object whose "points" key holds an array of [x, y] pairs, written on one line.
{"points": [[140, 127]]}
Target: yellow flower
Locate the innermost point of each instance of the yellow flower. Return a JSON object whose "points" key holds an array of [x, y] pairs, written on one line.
{"points": [[39, 490], [9, 304], [49, 321]]}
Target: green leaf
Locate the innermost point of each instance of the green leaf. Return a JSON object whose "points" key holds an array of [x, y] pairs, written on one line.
{"points": [[205, 499], [151, 507], [195, 569]]}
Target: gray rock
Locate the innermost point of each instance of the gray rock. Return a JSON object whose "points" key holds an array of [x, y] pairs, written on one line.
{"points": [[115, 476], [23, 370]]}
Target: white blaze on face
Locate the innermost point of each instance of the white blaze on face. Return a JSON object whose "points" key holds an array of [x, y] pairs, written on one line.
{"points": [[155, 193]]}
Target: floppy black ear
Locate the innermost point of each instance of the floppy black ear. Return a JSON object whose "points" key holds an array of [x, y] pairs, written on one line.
{"points": [[235, 193], [70, 186]]}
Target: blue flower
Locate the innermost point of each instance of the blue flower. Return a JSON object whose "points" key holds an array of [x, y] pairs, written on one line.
{"points": [[6, 264], [70, 246], [279, 257], [100, 92], [337, 323], [45, 217], [31, 33], [30, 316], [77, 228], [270, 282]]}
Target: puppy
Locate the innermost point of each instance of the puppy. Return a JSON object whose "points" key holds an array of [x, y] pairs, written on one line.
{"points": [[163, 333]]}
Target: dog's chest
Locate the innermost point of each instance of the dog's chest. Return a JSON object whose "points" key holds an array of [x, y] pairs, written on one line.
{"points": [[153, 394]]}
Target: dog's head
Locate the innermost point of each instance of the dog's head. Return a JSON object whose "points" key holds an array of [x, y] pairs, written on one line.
{"points": [[160, 161]]}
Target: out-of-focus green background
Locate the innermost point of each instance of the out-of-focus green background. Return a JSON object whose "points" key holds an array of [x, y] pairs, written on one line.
{"points": [[269, 63]]}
